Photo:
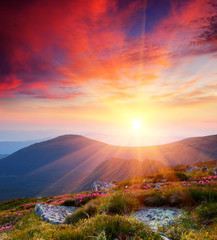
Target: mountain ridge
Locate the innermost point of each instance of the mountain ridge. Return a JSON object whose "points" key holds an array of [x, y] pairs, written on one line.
{"points": [[62, 164]]}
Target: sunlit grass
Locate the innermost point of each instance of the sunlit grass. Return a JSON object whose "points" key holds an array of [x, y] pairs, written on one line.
{"points": [[102, 215]]}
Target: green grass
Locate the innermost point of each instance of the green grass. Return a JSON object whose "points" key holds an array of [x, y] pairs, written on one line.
{"points": [[110, 227], [191, 227], [99, 227], [206, 213], [87, 211], [177, 196], [104, 217], [117, 203]]}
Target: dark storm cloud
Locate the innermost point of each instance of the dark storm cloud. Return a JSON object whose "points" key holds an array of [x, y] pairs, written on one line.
{"points": [[210, 31]]}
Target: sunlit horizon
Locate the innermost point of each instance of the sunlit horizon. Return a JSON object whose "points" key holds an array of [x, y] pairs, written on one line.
{"points": [[93, 67]]}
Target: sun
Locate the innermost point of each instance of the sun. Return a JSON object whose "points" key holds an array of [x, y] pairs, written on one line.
{"points": [[137, 124]]}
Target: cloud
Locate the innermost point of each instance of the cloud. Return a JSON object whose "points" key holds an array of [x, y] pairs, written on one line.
{"points": [[10, 82], [100, 48], [68, 41]]}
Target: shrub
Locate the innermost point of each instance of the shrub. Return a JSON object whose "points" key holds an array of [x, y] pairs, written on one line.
{"points": [[155, 198], [70, 202], [172, 197], [119, 203], [206, 213], [82, 198], [177, 196], [182, 176], [202, 194], [86, 211], [107, 227], [116, 203]]}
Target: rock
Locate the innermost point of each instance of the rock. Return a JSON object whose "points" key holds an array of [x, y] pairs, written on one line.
{"points": [[163, 180], [100, 185], [52, 213], [193, 169], [157, 216]]}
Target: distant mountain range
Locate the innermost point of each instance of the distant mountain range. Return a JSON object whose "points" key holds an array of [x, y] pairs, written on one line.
{"points": [[71, 162]]}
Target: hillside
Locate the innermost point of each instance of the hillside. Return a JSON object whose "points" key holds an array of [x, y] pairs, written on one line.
{"points": [[119, 169], [50, 167], [13, 146], [3, 155], [60, 165], [168, 210]]}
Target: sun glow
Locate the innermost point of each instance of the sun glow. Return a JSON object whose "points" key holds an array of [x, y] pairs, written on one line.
{"points": [[137, 124]]}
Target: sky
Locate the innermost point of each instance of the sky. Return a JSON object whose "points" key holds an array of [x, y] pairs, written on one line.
{"points": [[94, 67]]}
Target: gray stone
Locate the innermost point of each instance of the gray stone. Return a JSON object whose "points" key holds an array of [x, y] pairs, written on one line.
{"points": [[157, 216], [52, 213]]}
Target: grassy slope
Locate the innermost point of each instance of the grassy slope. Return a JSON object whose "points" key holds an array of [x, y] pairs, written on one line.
{"points": [[107, 212], [60, 165]]}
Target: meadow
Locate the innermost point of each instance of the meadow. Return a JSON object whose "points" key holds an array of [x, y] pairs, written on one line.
{"points": [[106, 214]]}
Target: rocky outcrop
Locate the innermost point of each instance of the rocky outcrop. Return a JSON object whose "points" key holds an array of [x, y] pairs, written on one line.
{"points": [[52, 213], [157, 216], [100, 185]]}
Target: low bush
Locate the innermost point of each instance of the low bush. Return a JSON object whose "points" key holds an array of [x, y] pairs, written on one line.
{"points": [[171, 176], [206, 213], [119, 203], [81, 199], [177, 196], [170, 197], [87, 211], [202, 194], [109, 228], [70, 202], [116, 203]]}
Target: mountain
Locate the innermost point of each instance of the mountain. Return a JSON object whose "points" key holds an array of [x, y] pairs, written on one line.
{"points": [[116, 169], [13, 146], [60, 165], [3, 155]]}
